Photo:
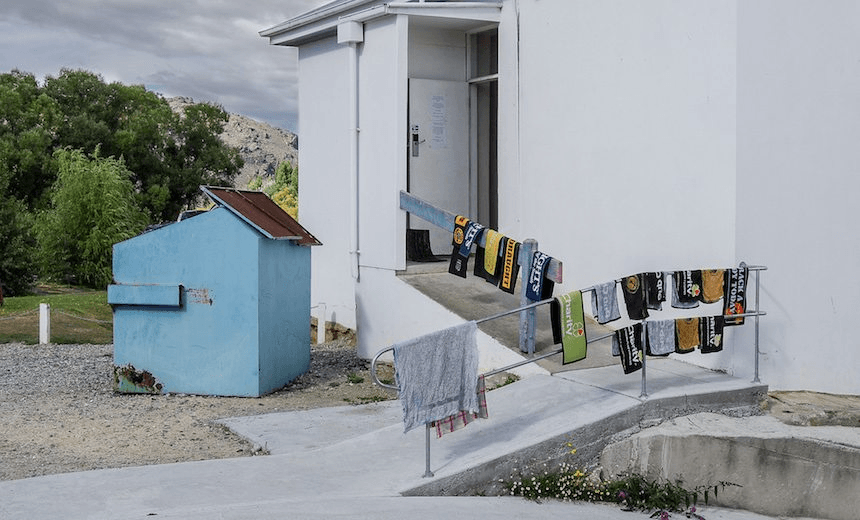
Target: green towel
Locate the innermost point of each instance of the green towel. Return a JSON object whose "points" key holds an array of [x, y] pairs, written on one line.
{"points": [[568, 326]]}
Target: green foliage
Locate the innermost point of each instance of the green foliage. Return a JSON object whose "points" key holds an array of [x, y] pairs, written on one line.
{"points": [[92, 207], [256, 183], [169, 155], [28, 124], [285, 190], [632, 492], [17, 247]]}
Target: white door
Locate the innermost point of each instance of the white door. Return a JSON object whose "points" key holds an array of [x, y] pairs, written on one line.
{"points": [[438, 150]]}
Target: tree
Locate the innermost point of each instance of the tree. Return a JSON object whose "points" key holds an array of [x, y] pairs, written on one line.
{"points": [[170, 155], [17, 247], [28, 125], [285, 190], [93, 206]]}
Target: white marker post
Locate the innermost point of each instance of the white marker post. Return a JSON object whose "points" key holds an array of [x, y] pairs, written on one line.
{"points": [[44, 323], [320, 323]]}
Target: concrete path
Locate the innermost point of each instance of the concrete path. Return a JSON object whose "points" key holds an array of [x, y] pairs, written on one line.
{"points": [[355, 461]]}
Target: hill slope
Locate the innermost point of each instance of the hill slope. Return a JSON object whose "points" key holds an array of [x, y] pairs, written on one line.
{"points": [[262, 146]]}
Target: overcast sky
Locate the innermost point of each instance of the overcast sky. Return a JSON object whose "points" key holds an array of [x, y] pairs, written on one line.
{"points": [[209, 50]]}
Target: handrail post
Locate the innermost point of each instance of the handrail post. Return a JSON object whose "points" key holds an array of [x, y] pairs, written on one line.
{"points": [[757, 274], [644, 393], [527, 317]]}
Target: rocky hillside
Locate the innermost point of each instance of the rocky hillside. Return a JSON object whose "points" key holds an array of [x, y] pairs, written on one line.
{"points": [[262, 146]]}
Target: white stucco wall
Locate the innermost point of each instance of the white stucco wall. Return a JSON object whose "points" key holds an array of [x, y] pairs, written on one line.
{"points": [[798, 166], [382, 95], [626, 128], [324, 174]]}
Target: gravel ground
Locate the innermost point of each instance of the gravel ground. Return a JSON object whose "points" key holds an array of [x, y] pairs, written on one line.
{"points": [[60, 413]]}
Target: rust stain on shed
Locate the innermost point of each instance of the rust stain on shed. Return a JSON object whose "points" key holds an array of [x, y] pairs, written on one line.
{"points": [[129, 380]]}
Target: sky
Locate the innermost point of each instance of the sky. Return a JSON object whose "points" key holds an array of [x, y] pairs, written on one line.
{"points": [[208, 50]]}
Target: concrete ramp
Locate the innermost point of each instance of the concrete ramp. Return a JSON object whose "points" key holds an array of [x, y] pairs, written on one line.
{"points": [[536, 421]]}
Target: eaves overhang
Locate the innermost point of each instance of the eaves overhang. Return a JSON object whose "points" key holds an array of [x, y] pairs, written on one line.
{"points": [[323, 21]]}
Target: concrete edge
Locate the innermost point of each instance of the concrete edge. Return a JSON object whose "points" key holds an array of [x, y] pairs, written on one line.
{"points": [[589, 441]]}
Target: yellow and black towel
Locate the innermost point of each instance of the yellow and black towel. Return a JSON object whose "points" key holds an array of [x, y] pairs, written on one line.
{"points": [[510, 264], [487, 265], [466, 233]]}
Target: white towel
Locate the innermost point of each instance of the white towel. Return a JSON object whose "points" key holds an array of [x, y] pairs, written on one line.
{"points": [[437, 374]]}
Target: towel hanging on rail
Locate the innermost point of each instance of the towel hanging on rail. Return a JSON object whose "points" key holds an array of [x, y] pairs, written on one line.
{"points": [[684, 294], [436, 374], [655, 289], [735, 299], [687, 330], [568, 326], [466, 233], [539, 288], [711, 334], [633, 289], [604, 303], [510, 264], [628, 342], [463, 418], [713, 282], [659, 337], [487, 257]]}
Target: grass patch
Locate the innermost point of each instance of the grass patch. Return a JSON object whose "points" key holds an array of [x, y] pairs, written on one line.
{"points": [[77, 316]]}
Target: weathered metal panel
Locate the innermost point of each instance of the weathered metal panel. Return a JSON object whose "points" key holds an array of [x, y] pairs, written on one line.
{"points": [[159, 295], [258, 210]]}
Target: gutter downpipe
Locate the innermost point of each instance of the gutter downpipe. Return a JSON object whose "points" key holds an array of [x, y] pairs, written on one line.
{"points": [[352, 33]]}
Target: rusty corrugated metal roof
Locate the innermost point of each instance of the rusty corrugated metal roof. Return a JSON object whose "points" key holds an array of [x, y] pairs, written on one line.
{"points": [[261, 212]]}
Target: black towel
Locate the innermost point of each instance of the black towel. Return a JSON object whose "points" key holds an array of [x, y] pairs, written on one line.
{"points": [[635, 297], [629, 340], [655, 290], [510, 266], [688, 287], [539, 288], [734, 301], [711, 334], [459, 264]]}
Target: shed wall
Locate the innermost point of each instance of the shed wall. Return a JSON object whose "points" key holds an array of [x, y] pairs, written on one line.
{"points": [[210, 344]]}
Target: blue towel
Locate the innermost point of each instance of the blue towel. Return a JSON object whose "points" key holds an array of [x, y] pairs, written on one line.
{"points": [[437, 374]]}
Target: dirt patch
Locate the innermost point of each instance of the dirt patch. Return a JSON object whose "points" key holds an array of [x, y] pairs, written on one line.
{"points": [[60, 413]]}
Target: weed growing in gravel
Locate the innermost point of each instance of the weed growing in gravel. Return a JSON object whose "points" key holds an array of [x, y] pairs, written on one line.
{"points": [[354, 378]]}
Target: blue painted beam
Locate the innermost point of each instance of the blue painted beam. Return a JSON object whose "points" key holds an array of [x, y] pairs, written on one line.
{"points": [[160, 295], [445, 220]]}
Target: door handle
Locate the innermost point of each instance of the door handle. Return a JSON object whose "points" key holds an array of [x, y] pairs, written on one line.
{"points": [[416, 141]]}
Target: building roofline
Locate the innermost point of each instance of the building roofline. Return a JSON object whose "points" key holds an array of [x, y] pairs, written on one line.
{"points": [[323, 21]]}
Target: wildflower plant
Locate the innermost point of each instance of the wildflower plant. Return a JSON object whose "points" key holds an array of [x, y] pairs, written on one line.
{"points": [[632, 492]]}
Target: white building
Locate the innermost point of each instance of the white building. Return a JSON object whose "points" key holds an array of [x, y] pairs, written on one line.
{"points": [[624, 136]]}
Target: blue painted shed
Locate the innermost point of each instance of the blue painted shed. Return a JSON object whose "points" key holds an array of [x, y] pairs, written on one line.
{"points": [[216, 304]]}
